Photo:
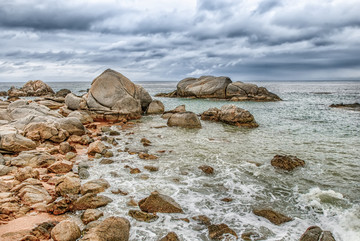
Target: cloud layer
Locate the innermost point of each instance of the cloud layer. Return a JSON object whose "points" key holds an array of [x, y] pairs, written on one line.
{"points": [[170, 40]]}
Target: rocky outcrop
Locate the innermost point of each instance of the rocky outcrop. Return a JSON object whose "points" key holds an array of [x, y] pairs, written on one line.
{"points": [[112, 228], [159, 203], [272, 216], [287, 162], [230, 114], [184, 119], [315, 233], [62, 93], [355, 106], [66, 231], [31, 88], [220, 88]]}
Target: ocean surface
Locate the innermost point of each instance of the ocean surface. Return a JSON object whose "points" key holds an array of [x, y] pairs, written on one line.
{"points": [[326, 192]]}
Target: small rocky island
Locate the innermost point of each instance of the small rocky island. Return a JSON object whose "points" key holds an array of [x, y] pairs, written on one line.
{"points": [[220, 88]]}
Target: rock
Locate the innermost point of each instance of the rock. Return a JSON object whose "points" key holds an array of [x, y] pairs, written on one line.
{"points": [[68, 184], [160, 203], [74, 102], [43, 230], [272, 216], [94, 186], [203, 87], [27, 172], [91, 215], [37, 159], [70, 155], [65, 147], [134, 170], [155, 107], [62, 206], [217, 231], [170, 237], [239, 91], [147, 156], [202, 219], [44, 131], [184, 119], [315, 233], [114, 133], [62, 93], [355, 106], [66, 231], [91, 201], [106, 161], [83, 116], [72, 125], [31, 191], [83, 173], [119, 191], [31, 88], [112, 228], [178, 109], [287, 162], [151, 168], [52, 105], [230, 114], [61, 167], [108, 153], [4, 170], [96, 147], [206, 169], [11, 141], [112, 90], [142, 216]]}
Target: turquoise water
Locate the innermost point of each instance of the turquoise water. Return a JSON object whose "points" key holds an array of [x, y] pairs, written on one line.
{"points": [[326, 192]]}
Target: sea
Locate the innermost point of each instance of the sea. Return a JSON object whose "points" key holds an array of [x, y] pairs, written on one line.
{"points": [[325, 193]]}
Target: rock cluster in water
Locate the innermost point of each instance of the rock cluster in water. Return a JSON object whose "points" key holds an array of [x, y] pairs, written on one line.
{"points": [[220, 88]]}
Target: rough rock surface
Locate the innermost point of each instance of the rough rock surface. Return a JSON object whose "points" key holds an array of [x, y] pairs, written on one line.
{"points": [[91, 215], [170, 237], [272, 216], [155, 107], [94, 186], [68, 184], [112, 228], [11, 141], [220, 88], [184, 119], [217, 231], [355, 106], [230, 114], [159, 203], [31, 88], [31, 191], [142, 216], [315, 233], [33, 159], [287, 163], [66, 231], [96, 147], [61, 167], [91, 201]]}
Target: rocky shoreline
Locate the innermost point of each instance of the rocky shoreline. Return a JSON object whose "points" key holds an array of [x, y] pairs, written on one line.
{"points": [[48, 149]]}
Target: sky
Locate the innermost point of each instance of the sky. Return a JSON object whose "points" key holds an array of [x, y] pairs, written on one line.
{"points": [[168, 40]]}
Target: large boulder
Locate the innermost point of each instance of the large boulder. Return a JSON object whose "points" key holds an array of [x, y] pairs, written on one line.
{"points": [[159, 203], [155, 107], [11, 141], [66, 231], [112, 90], [31, 88], [184, 119], [74, 102], [203, 87], [111, 229], [41, 131]]}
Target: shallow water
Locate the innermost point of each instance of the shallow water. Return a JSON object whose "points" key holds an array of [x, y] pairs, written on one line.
{"points": [[326, 192]]}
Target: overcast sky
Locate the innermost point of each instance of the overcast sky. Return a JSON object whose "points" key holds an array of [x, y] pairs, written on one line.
{"points": [[247, 40]]}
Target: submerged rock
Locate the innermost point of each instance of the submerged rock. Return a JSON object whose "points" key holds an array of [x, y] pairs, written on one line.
{"points": [[206, 169], [315, 233], [184, 119], [287, 162], [355, 106], [159, 203], [272, 216]]}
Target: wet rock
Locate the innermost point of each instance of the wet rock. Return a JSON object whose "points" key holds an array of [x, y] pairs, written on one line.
{"points": [[31, 88], [96, 147], [287, 163], [239, 91], [68, 184], [142, 216], [62, 93], [155, 107], [43, 230], [91, 201], [202, 219], [94, 186], [227, 199], [315, 233], [151, 168], [27, 172], [112, 228], [145, 141], [83, 173], [108, 153], [206, 169], [160, 203], [272, 216], [134, 170], [106, 161], [184, 119], [91, 215], [230, 114], [33, 159], [217, 231], [147, 156], [114, 133], [170, 237], [119, 191], [66, 231], [61, 167]]}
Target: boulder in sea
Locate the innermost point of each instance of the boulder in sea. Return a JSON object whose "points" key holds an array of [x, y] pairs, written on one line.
{"points": [[178, 109], [355, 106], [159, 203], [31, 88], [218, 231], [207, 169], [184, 119], [287, 162], [96, 147], [230, 114], [271, 215], [315, 233], [66, 231], [170, 237], [155, 107], [94, 186], [112, 228], [239, 91], [142, 216], [91, 215]]}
